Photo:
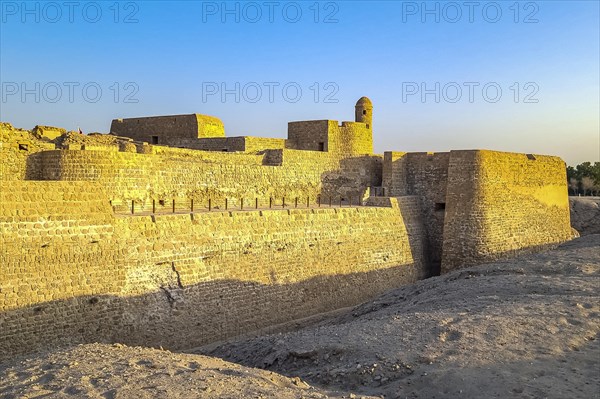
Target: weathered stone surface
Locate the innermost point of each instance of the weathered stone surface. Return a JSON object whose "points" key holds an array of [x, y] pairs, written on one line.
{"points": [[75, 267], [71, 266]]}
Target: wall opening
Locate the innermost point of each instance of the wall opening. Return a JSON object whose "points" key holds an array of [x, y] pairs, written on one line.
{"points": [[321, 146], [154, 139], [531, 157], [440, 206], [364, 111], [23, 147]]}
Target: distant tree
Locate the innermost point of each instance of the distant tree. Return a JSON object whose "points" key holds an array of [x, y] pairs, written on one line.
{"points": [[571, 173], [574, 185], [587, 184], [585, 170], [595, 173]]}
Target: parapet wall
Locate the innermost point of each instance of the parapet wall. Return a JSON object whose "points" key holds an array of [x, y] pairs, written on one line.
{"points": [[500, 204], [167, 173], [73, 272], [243, 143]]}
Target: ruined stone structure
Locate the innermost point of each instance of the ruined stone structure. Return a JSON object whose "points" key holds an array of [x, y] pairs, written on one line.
{"points": [[76, 266], [174, 130]]}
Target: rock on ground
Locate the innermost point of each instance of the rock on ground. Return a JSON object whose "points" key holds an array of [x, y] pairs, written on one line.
{"points": [[585, 214]]}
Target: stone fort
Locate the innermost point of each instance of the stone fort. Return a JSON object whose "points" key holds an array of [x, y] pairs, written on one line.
{"points": [[166, 232]]}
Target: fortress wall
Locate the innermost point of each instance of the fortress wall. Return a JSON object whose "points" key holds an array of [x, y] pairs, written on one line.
{"points": [[168, 128], [501, 204], [243, 143], [394, 173], [354, 175], [351, 138], [175, 130], [295, 158], [186, 174], [427, 176], [51, 226], [424, 175], [143, 177], [20, 162], [57, 245], [30, 200], [263, 143], [207, 156], [347, 139], [309, 135], [71, 272], [254, 269], [224, 144], [346, 177], [464, 218]]}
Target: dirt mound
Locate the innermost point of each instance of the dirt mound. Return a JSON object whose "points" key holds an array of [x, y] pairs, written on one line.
{"points": [[527, 327], [585, 214], [117, 371]]}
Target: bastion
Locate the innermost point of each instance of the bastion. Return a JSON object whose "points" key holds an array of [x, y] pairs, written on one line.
{"points": [[165, 232]]}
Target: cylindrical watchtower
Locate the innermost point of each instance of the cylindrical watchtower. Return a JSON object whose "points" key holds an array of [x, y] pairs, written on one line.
{"points": [[364, 111]]}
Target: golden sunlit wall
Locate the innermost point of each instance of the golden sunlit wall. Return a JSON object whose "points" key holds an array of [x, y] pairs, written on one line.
{"points": [[499, 204], [74, 272]]}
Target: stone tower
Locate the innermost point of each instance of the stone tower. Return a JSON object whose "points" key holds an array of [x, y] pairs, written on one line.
{"points": [[364, 111]]}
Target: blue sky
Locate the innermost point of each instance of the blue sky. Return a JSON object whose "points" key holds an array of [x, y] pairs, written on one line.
{"points": [[530, 68]]}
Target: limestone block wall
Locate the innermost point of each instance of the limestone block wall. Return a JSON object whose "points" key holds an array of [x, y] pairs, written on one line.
{"points": [[173, 130], [168, 173], [71, 271], [424, 175], [309, 135], [427, 175], [252, 269], [345, 140], [57, 247], [225, 144], [394, 173], [500, 204], [263, 143], [351, 138], [19, 153], [244, 143]]}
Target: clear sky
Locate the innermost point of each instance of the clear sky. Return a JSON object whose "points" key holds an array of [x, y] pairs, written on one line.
{"points": [[510, 76]]}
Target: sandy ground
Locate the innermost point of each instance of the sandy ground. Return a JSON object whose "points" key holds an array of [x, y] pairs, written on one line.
{"points": [[585, 214], [526, 327], [522, 328], [120, 372]]}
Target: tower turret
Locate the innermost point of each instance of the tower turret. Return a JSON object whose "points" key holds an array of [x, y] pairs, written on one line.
{"points": [[364, 111]]}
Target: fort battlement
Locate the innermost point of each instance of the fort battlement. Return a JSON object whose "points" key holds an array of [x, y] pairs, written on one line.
{"points": [[76, 269]]}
